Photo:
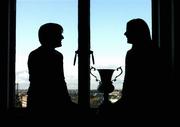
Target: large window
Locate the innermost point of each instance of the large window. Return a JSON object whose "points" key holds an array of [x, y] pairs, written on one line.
{"points": [[108, 20]]}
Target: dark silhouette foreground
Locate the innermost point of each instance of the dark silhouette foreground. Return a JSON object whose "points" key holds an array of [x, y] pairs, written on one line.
{"points": [[142, 81], [48, 92]]}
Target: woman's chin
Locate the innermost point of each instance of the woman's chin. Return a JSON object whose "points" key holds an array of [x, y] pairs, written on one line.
{"points": [[59, 45]]}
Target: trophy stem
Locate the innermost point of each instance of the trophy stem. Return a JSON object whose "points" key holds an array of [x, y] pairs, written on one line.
{"points": [[106, 97]]}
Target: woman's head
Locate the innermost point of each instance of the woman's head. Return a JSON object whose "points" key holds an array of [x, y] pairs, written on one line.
{"points": [[137, 31], [50, 35]]}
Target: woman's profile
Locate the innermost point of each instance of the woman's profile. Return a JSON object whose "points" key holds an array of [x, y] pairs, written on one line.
{"points": [[47, 91], [142, 70]]}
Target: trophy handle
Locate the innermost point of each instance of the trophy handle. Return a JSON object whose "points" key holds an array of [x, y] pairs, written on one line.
{"points": [[119, 68], [94, 69]]}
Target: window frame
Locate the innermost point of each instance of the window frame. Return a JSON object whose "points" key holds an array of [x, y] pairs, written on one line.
{"points": [[8, 47]]}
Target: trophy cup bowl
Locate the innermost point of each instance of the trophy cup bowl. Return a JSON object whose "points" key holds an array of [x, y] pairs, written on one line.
{"points": [[105, 85]]}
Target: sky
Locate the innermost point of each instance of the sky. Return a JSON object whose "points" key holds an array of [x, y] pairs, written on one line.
{"points": [[108, 20]]}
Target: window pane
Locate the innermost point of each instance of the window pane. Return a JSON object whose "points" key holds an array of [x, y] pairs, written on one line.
{"points": [[31, 14], [108, 24]]}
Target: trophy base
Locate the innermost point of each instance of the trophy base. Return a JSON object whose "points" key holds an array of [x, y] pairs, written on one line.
{"points": [[105, 108]]}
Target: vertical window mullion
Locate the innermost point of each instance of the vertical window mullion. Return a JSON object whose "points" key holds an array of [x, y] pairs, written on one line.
{"points": [[84, 53]]}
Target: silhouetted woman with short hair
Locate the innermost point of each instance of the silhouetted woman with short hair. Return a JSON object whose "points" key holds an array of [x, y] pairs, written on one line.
{"points": [[48, 91]]}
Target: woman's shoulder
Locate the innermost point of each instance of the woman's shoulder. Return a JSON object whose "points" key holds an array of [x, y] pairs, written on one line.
{"points": [[58, 54]]}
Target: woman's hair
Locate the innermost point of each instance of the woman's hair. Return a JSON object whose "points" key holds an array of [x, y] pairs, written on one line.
{"points": [[139, 28], [48, 31]]}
